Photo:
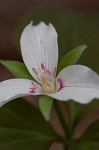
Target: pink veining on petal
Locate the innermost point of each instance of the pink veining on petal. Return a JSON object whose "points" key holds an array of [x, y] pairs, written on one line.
{"points": [[42, 66], [33, 89], [61, 84]]}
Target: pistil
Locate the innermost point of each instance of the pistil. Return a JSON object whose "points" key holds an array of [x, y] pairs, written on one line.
{"points": [[48, 86]]}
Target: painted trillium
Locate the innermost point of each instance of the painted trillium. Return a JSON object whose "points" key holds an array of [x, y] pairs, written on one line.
{"points": [[39, 49]]}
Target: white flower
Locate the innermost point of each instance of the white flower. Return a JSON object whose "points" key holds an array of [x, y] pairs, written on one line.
{"points": [[39, 49]]}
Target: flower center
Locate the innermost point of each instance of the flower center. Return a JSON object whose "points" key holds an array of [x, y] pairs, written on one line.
{"points": [[48, 86]]}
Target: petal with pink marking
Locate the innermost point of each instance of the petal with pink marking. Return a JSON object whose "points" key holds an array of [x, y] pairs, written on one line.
{"points": [[15, 88], [39, 48], [77, 82]]}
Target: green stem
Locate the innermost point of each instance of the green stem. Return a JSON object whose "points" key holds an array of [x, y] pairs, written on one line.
{"points": [[61, 118]]}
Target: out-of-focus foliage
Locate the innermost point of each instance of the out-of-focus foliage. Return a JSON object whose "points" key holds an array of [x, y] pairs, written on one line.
{"points": [[78, 111], [23, 128], [90, 139]]}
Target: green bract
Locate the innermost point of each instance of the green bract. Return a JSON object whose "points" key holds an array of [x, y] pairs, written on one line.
{"points": [[18, 69], [71, 58], [45, 105]]}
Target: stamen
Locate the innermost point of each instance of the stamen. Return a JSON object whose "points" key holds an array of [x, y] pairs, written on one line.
{"points": [[47, 79], [48, 87], [35, 72], [54, 75]]}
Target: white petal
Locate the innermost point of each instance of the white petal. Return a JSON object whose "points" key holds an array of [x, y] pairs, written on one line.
{"points": [[15, 88], [79, 83], [39, 48]]}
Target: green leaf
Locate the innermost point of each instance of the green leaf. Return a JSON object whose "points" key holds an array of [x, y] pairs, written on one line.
{"points": [[71, 58], [90, 139], [22, 127], [78, 111], [45, 105], [18, 69]]}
